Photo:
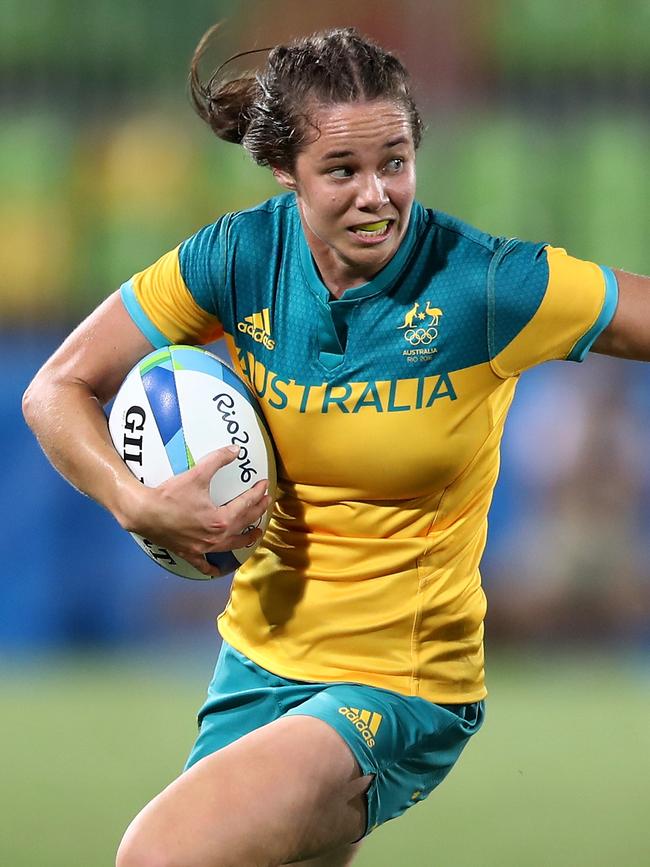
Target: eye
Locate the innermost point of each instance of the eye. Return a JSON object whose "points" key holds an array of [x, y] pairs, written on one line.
{"points": [[340, 172], [395, 165]]}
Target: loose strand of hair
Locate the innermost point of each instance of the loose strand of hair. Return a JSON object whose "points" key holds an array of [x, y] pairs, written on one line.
{"points": [[203, 92]]}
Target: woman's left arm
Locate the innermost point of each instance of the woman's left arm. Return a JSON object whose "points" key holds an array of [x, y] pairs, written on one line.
{"points": [[628, 334]]}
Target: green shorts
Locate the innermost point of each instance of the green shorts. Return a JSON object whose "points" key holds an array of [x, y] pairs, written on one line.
{"points": [[409, 744]]}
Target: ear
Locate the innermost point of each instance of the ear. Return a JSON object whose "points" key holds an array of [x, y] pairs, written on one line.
{"points": [[284, 178]]}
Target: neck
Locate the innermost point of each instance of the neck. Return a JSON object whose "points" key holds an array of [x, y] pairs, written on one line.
{"points": [[336, 273]]}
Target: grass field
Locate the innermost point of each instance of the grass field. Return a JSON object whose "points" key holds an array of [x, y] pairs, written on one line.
{"points": [[560, 774]]}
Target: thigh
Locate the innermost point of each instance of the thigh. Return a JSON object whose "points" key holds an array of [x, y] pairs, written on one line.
{"points": [[289, 791]]}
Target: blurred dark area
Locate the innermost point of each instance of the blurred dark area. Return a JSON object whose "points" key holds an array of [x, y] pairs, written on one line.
{"points": [[537, 126]]}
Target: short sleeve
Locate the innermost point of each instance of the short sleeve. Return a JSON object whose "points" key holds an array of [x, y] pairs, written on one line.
{"points": [[544, 304], [175, 299]]}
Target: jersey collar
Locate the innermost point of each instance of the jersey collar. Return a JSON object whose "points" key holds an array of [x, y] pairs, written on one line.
{"points": [[381, 281]]}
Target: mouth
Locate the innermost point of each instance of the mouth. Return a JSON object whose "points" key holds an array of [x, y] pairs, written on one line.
{"points": [[373, 232]]}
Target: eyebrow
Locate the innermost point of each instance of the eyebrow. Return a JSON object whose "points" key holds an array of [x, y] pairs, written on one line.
{"points": [[343, 154], [398, 140]]}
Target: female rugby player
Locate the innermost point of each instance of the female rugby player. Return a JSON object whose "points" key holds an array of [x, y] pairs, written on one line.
{"points": [[384, 341]]}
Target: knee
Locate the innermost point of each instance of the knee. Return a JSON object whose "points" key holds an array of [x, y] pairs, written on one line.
{"points": [[140, 848], [136, 850]]}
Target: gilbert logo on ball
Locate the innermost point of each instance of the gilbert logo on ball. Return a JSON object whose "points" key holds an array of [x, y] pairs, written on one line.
{"points": [[175, 406]]}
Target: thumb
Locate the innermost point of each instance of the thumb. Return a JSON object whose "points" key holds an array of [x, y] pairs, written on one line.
{"points": [[208, 465]]}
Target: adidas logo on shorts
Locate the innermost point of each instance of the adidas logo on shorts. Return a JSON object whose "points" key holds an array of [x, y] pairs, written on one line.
{"points": [[365, 721]]}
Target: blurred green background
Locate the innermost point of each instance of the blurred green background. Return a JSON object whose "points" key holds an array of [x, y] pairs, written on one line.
{"points": [[537, 116], [558, 775]]}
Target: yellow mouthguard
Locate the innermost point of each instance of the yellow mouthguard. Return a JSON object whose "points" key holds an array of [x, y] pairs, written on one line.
{"points": [[371, 227]]}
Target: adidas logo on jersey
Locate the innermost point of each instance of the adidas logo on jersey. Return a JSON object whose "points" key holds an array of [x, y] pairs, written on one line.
{"points": [[258, 325], [365, 721]]}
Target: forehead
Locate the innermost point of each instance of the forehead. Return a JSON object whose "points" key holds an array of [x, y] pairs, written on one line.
{"points": [[357, 125]]}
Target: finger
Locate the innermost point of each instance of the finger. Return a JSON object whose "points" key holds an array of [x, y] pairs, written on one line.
{"points": [[199, 562], [213, 461], [251, 518], [246, 539], [255, 499]]}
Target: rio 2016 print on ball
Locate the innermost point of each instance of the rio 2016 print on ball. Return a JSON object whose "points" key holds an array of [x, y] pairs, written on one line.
{"points": [[178, 404]]}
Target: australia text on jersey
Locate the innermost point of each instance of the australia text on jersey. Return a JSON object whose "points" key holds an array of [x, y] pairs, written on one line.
{"points": [[397, 395]]}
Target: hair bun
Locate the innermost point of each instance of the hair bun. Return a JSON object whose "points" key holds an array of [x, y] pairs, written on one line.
{"points": [[228, 108]]}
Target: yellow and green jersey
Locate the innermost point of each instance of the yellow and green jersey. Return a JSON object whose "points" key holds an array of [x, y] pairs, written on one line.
{"points": [[387, 408]]}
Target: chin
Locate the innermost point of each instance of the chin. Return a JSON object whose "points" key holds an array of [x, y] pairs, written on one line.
{"points": [[382, 252]]}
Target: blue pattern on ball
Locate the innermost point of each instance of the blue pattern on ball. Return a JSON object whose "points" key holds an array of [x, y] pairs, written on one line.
{"points": [[160, 387], [225, 561], [177, 453]]}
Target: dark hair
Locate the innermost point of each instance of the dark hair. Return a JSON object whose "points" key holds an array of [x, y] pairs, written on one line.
{"points": [[268, 111]]}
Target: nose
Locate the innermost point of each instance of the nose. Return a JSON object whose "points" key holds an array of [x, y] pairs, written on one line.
{"points": [[372, 195]]}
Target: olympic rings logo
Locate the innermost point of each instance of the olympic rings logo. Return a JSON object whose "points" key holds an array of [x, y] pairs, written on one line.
{"points": [[424, 336]]}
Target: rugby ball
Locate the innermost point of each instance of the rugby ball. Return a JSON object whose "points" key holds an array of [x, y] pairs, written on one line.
{"points": [[176, 405]]}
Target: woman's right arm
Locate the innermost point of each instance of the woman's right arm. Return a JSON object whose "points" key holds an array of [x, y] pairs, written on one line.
{"points": [[64, 407]]}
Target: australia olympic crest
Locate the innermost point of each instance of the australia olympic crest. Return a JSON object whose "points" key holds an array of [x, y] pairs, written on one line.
{"points": [[420, 331]]}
